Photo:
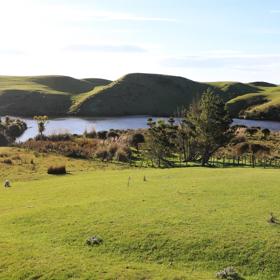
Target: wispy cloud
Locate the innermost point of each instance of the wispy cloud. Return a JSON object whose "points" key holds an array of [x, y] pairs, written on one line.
{"points": [[274, 11], [78, 13], [116, 16], [106, 48], [8, 51], [223, 60]]}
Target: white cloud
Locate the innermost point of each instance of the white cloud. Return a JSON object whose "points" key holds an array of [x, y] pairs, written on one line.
{"points": [[105, 48]]}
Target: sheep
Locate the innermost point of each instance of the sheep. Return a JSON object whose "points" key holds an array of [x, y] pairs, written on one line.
{"points": [[7, 184]]}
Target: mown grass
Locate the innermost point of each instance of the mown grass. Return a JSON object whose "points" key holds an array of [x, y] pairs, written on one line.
{"points": [[185, 223]]}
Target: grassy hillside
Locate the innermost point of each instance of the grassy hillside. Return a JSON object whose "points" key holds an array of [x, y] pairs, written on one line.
{"points": [[179, 224], [141, 94], [133, 94], [264, 104], [98, 82], [257, 100], [47, 95]]}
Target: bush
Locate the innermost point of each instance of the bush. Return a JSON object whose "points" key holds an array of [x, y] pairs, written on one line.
{"points": [[228, 273], [102, 153], [266, 133], [113, 149], [60, 137], [112, 134], [123, 154], [54, 137], [242, 148], [8, 161], [3, 141], [102, 135], [91, 134], [57, 170], [136, 139], [259, 149]]}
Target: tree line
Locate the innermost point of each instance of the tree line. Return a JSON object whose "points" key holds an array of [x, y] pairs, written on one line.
{"points": [[200, 131]]}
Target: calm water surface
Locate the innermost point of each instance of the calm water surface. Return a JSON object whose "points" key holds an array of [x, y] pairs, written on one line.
{"points": [[79, 125]]}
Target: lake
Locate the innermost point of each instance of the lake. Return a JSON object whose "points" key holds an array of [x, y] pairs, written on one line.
{"points": [[79, 125]]}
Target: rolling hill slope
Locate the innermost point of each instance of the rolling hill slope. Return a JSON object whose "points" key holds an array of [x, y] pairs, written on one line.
{"points": [[141, 94], [44, 95], [133, 94]]}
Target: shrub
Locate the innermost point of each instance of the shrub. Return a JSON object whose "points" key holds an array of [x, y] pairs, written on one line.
{"points": [[102, 153], [259, 149], [102, 135], [8, 161], [60, 137], [266, 133], [123, 154], [112, 149], [242, 148], [57, 170], [252, 131], [40, 137], [136, 139], [3, 140], [238, 139], [91, 134], [113, 134], [228, 273]]}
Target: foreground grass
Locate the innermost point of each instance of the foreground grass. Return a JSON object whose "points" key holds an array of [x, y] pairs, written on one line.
{"points": [[179, 224]]}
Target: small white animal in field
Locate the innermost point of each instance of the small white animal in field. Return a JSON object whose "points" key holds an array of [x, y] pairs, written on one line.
{"points": [[7, 184]]}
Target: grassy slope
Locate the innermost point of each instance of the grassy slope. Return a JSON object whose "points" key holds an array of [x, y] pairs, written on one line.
{"points": [[141, 94], [133, 94], [262, 105], [180, 224], [50, 95], [98, 82], [257, 100]]}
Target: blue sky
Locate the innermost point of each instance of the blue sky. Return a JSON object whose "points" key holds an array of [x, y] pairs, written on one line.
{"points": [[205, 40]]}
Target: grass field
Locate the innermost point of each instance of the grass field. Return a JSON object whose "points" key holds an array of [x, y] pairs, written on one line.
{"points": [[185, 223]]}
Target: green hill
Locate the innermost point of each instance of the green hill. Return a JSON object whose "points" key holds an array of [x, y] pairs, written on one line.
{"points": [[98, 82], [141, 94], [133, 94], [44, 95]]}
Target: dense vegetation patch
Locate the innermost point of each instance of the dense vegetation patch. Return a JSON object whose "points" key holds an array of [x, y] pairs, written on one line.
{"points": [[10, 129]]}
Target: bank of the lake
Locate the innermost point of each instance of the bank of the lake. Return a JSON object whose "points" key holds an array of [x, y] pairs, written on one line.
{"points": [[79, 125]]}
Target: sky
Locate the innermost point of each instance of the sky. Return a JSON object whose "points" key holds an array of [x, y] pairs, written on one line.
{"points": [[203, 40]]}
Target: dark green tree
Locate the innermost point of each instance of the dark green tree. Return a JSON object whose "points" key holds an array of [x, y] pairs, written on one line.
{"points": [[210, 122], [158, 144]]}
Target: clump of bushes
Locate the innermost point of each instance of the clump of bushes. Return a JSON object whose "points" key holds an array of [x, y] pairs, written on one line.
{"points": [[136, 139], [112, 149], [102, 153], [57, 170], [10, 129], [123, 154], [8, 161], [54, 137], [91, 133]]}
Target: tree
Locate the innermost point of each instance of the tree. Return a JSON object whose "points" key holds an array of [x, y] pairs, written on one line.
{"points": [[265, 133], [158, 142], [210, 122], [41, 123], [136, 139]]}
